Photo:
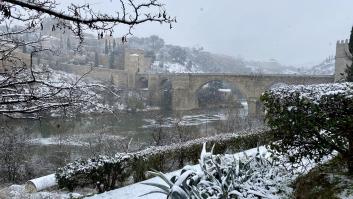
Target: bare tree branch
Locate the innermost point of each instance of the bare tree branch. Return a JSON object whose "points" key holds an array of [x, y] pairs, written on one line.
{"points": [[24, 88]]}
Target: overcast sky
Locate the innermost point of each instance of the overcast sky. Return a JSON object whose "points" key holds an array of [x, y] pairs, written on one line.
{"points": [[295, 32]]}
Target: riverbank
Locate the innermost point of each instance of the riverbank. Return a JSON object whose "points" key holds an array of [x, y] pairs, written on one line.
{"points": [[51, 143]]}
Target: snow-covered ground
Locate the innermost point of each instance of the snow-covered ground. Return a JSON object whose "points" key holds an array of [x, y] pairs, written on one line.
{"points": [[169, 67], [19, 192], [279, 178], [134, 191]]}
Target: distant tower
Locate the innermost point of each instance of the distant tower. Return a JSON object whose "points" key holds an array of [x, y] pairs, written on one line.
{"points": [[343, 58]]}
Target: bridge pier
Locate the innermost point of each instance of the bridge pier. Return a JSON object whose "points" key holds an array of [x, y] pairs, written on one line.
{"points": [[253, 106], [183, 100], [154, 91]]}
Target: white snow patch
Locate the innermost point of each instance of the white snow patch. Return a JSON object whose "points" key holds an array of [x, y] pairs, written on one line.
{"points": [[225, 90], [170, 67], [135, 190]]}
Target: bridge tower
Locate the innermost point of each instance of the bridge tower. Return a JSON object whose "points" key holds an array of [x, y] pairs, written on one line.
{"points": [[135, 62], [343, 58]]}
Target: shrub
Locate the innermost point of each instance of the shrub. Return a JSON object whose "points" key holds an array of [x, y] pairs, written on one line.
{"points": [[223, 177], [102, 172], [311, 121], [112, 172]]}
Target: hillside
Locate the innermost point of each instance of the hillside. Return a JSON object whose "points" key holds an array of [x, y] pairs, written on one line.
{"points": [[326, 67], [177, 59]]}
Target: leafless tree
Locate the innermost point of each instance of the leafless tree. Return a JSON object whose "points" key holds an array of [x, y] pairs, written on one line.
{"points": [[23, 91], [182, 132], [13, 154], [80, 17], [159, 133], [26, 92]]}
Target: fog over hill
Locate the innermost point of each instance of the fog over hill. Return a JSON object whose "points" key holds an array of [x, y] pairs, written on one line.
{"points": [[177, 59], [326, 67]]}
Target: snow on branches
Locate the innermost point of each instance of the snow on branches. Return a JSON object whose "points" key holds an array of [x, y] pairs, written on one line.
{"points": [[33, 93], [112, 172], [78, 17], [312, 121]]}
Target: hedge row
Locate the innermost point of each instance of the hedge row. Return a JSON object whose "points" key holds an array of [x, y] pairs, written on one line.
{"points": [[311, 120], [107, 173]]}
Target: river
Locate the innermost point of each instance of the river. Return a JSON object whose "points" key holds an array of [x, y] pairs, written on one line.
{"points": [[54, 142]]}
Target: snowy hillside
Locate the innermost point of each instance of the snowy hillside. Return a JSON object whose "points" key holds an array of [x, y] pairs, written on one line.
{"points": [[168, 67], [327, 67], [177, 59]]}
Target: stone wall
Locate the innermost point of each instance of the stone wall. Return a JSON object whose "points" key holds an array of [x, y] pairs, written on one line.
{"points": [[343, 58], [117, 77], [134, 62]]}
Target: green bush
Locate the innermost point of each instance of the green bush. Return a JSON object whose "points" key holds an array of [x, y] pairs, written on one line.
{"points": [[107, 173], [311, 121]]}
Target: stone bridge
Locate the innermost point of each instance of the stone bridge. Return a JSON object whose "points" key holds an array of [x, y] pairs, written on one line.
{"points": [[184, 87]]}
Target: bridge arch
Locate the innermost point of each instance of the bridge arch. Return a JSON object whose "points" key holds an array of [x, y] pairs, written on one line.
{"points": [[184, 87], [165, 86], [219, 92], [197, 84], [142, 83]]}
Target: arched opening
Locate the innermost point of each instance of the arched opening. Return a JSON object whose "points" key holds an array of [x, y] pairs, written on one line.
{"points": [[221, 94], [142, 83], [166, 95], [227, 101]]}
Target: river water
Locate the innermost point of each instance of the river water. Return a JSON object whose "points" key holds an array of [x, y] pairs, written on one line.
{"points": [[55, 142]]}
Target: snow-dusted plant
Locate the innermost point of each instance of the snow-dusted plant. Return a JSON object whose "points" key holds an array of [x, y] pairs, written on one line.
{"points": [[134, 165], [225, 176], [311, 121]]}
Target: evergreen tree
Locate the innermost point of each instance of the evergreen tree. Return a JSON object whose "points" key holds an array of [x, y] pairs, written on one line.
{"points": [[349, 69], [349, 73], [114, 44], [96, 59], [351, 42], [68, 43], [111, 60], [106, 47]]}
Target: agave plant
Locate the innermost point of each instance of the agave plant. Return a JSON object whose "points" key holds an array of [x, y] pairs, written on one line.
{"points": [[221, 177], [175, 188]]}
